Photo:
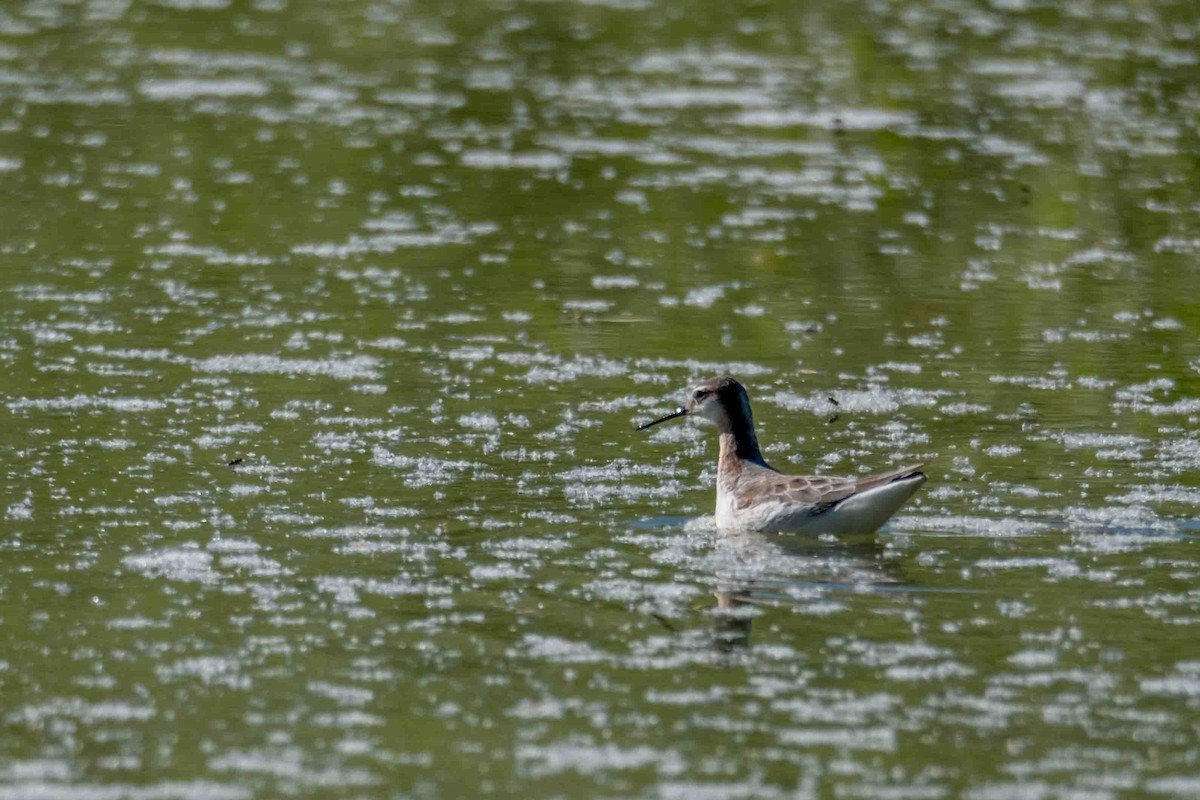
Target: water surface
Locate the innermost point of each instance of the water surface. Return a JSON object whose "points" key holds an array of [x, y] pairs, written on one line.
{"points": [[325, 328]]}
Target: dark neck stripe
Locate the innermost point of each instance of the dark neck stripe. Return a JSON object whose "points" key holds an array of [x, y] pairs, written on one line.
{"points": [[739, 423]]}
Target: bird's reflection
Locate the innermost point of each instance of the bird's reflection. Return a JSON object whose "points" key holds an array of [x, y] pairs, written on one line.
{"points": [[758, 570], [732, 620]]}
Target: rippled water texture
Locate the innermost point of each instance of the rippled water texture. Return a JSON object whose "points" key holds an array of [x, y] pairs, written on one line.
{"points": [[325, 327]]}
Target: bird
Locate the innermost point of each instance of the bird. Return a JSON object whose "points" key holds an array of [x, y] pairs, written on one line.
{"points": [[752, 496]]}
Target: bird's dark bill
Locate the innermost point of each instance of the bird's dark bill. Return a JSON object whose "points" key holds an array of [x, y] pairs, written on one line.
{"points": [[676, 413]]}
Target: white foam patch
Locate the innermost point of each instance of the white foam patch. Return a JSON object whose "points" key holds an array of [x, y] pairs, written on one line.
{"points": [[479, 421], [1103, 442], [210, 670], [352, 368], [627, 591], [704, 297], [83, 401], [76, 708], [289, 764], [421, 99], [164, 790], [1177, 785], [539, 761], [1001, 527], [189, 564], [876, 739], [34, 768], [498, 572], [1118, 519], [695, 367], [190, 88], [1055, 567], [593, 306], [254, 564], [425, 470], [549, 369], [525, 547], [857, 401], [857, 119], [1045, 92], [545, 708], [1149, 397], [1034, 659], [753, 789], [591, 495], [232, 545], [353, 696], [558, 650], [1179, 685], [347, 590], [698, 97], [1180, 245], [965, 409], [1019, 154], [387, 243], [210, 255], [1142, 495], [116, 444], [194, 5], [615, 282], [1010, 790], [592, 485], [471, 353], [497, 159], [20, 510]]}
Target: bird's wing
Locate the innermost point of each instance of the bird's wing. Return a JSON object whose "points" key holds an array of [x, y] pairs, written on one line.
{"points": [[821, 492], [817, 491], [871, 481]]}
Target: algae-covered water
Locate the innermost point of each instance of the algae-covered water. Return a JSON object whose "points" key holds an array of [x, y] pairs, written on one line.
{"points": [[325, 328]]}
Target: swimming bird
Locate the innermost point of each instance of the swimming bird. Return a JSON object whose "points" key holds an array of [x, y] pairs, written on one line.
{"points": [[752, 496]]}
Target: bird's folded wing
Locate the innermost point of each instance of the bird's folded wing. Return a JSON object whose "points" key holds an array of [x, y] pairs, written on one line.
{"points": [[820, 492], [871, 481]]}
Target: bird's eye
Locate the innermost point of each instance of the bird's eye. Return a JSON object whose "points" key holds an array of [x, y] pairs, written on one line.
{"points": [[699, 394]]}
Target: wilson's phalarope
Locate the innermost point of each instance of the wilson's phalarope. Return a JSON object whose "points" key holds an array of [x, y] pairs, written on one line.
{"points": [[751, 496]]}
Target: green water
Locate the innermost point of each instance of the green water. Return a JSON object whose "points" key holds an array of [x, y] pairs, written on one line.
{"points": [[422, 267]]}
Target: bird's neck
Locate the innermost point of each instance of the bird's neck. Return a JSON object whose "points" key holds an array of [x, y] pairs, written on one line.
{"points": [[738, 440]]}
